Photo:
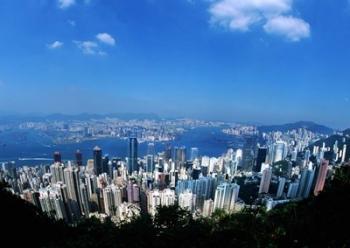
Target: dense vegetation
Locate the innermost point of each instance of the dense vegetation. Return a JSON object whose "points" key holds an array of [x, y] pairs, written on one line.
{"points": [[317, 222]]}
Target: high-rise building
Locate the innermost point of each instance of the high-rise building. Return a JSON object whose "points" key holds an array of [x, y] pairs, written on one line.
{"points": [[105, 164], [71, 178], [109, 207], [149, 163], [156, 198], [226, 195], [180, 157], [279, 151], [112, 197], [344, 153], [306, 182], [168, 152], [208, 208], [84, 200], [56, 171], [167, 197], [321, 176], [57, 157], [187, 200], [280, 189], [51, 202], [79, 158], [133, 155], [261, 158], [203, 188], [293, 190], [133, 191], [248, 153], [151, 149], [98, 163], [194, 153], [265, 180]]}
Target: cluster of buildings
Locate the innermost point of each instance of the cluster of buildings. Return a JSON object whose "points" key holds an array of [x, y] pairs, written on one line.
{"points": [[283, 169], [75, 129]]}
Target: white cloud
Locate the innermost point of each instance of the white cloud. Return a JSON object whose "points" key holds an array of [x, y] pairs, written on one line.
{"points": [[106, 38], [89, 47], [294, 29], [72, 23], [65, 3], [241, 15], [55, 45]]}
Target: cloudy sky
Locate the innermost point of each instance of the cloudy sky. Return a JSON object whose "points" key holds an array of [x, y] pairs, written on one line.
{"points": [[265, 61]]}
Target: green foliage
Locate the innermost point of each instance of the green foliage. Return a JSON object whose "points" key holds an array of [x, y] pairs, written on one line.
{"points": [[280, 168]]}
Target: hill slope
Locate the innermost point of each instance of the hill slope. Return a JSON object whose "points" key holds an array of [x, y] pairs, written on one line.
{"points": [[311, 126], [316, 222]]}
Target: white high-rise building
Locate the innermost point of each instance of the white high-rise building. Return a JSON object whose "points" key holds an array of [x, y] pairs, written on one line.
{"points": [[279, 151], [208, 208], [226, 195], [265, 180], [56, 170], [72, 180], [187, 200], [52, 203], [156, 198], [343, 154]]}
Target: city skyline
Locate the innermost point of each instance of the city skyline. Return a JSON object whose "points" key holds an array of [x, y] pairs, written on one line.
{"points": [[267, 61]]}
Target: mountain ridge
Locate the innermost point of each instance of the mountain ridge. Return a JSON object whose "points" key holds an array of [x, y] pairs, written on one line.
{"points": [[309, 125]]}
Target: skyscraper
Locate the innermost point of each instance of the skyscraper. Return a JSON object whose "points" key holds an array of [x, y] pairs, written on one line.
{"points": [[180, 157], [97, 153], [84, 200], [133, 192], [56, 170], [151, 149], [321, 177], [279, 151], [248, 152], [150, 157], [281, 184], [168, 152], [261, 158], [187, 200], [293, 189], [208, 207], [105, 166], [194, 153], [132, 155], [343, 154], [149, 163], [306, 182], [226, 195], [156, 198], [79, 158], [57, 157], [71, 178], [265, 180]]}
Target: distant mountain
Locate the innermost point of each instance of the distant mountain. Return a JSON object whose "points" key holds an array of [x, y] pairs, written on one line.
{"points": [[83, 116], [87, 116], [311, 126]]}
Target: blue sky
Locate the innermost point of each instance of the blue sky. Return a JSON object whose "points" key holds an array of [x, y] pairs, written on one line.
{"points": [[265, 61]]}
